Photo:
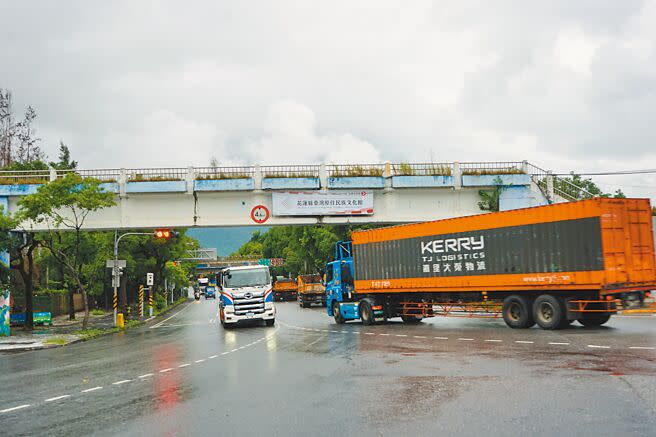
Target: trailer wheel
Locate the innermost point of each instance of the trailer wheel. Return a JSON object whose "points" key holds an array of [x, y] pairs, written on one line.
{"points": [[517, 312], [549, 312], [594, 319], [337, 315], [366, 313]]}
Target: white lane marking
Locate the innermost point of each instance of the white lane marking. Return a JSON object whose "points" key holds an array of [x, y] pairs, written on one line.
{"points": [[91, 389], [401, 335], [419, 336], [315, 341], [355, 332], [123, 381], [184, 365], [146, 375], [212, 356], [557, 343], [596, 346], [199, 361], [369, 333], [234, 350], [332, 330], [383, 334], [524, 342], [56, 398], [466, 339], [170, 317], [441, 338], [225, 353], [241, 347], [493, 340], [17, 407], [168, 369], [642, 347]]}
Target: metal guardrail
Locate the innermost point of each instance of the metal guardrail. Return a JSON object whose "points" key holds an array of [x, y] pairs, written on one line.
{"points": [[354, 170], [542, 178], [236, 172], [290, 171], [422, 169], [476, 168]]}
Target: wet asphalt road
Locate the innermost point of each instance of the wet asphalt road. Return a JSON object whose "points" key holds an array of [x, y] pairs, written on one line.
{"points": [[308, 376]]}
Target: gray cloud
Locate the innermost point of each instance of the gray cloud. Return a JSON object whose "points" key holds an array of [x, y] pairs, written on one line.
{"points": [[569, 85]]}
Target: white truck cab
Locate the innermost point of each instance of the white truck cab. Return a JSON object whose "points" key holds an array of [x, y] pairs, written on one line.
{"points": [[246, 294]]}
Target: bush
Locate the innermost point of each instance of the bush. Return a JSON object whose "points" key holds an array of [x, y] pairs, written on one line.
{"points": [[97, 312], [160, 302]]}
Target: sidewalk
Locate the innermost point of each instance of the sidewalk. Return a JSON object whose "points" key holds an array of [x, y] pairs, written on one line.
{"points": [[64, 331]]}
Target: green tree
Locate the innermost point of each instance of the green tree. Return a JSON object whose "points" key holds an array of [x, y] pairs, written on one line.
{"points": [[65, 162], [63, 206], [21, 247]]}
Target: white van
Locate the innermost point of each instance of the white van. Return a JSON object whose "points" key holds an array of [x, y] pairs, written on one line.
{"points": [[246, 294]]}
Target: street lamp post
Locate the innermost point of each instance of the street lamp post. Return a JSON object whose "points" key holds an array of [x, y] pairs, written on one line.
{"points": [[115, 271]]}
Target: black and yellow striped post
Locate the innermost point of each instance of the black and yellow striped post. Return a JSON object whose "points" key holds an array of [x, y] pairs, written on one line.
{"points": [[128, 310], [115, 305], [150, 300], [141, 287]]}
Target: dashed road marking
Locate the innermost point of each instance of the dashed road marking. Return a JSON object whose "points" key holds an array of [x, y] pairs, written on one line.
{"points": [[558, 343], [56, 398], [184, 365], [199, 361], [419, 336], [123, 381], [524, 341], [642, 347], [17, 407], [212, 357], [225, 353], [401, 335], [596, 346], [466, 339], [168, 369], [441, 338], [493, 340], [383, 334], [370, 333], [146, 375], [89, 390]]}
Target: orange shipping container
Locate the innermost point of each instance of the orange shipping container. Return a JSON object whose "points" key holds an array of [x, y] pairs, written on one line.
{"points": [[598, 245]]}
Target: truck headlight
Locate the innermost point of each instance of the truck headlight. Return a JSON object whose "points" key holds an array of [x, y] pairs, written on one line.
{"points": [[229, 309], [268, 305]]}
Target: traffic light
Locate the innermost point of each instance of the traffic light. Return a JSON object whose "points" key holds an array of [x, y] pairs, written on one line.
{"points": [[165, 234]]}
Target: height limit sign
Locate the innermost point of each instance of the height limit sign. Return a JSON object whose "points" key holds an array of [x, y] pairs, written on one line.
{"points": [[260, 214]]}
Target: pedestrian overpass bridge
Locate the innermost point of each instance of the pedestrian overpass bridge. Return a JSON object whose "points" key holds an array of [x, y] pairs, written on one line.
{"points": [[301, 194]]}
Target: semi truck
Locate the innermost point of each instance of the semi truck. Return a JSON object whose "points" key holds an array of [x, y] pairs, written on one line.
{"points": [[548, 265], [284, 289], [311, 290], [246, 294]]}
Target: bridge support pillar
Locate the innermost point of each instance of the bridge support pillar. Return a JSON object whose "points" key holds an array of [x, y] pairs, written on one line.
{"points": [[456, 171], [189, 179]]}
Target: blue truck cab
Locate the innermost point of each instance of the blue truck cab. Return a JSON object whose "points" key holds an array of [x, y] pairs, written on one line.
{"points": [[342, 300], [210, 292]]}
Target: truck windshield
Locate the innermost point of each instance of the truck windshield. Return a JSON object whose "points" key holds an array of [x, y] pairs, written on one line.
{"points": [[247, 278]]}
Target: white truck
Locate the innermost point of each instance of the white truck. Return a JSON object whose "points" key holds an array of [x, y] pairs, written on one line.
{"points": [[246, 294]]}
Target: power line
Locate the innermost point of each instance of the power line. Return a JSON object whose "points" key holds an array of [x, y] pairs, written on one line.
{"points": [[609, 173]]}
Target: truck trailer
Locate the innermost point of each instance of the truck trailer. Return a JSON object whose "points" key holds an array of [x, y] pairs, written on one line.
{"points": [[548, 265], [284, 289]]}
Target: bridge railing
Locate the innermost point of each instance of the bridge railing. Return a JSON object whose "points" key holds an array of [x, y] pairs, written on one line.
{"points": [[422, 169], [479, 168], [290, 171], [562, 187], [235, 172], [155, 174], [15, 177], [355, 170], [105, 175]]}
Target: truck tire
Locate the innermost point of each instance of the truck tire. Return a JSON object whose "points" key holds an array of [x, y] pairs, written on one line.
{"points": [[549, 312], [366, 313], [337, 315], [517, 312], [411, 319], [594, 319], [270, 322]]}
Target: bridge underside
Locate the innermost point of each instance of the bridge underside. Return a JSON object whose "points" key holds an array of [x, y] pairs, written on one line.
{"points": [[213, 209]]}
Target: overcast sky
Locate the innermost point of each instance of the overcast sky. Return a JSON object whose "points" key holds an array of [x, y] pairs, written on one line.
{"points": [[567, 85]]}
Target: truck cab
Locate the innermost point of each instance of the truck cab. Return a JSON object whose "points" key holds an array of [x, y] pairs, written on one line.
{"points": [[246, 294], [342, 300]]}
